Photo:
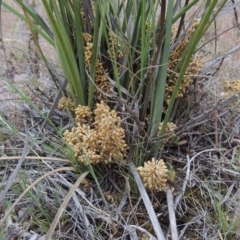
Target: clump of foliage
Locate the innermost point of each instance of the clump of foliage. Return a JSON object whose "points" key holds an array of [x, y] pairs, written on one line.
{"points": [[100, 138], [128, 65]]}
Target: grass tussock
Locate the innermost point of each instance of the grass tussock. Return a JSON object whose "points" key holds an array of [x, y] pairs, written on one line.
{"points": [[113, 128]]}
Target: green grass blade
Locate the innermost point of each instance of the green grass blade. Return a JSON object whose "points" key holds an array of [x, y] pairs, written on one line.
{"points": [[187, 55], [79, 43], [158, 100], [184, 10], [65, 53]]}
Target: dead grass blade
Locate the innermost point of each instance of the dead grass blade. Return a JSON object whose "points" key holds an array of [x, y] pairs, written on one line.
{"points": [[88, 225], [172, 216], [36, 158], [217, 61], [152, 215], [30, 187], [64, 205], [15, 172], [179, 197], [132, 233]]}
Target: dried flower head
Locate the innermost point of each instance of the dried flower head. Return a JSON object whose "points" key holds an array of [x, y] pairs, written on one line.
{"points": [[87, 38], [101, 139], [231, 88], [170, 128], [194, 66], [82, 114], [115, 46], [103, 85], [66, 103], [154, 175]]}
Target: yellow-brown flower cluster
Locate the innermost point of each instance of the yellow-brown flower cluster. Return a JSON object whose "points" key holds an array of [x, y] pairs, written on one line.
{"points": [[169, 131], [115, 46], [170, 128], [100, 140], [66, 104], [154, 175], [102, 84], [194, 67], [101, 81], [87, 39], [82, 114], [231, 87]]}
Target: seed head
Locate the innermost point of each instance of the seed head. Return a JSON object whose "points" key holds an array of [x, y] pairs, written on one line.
{"points": [[154, 174]]}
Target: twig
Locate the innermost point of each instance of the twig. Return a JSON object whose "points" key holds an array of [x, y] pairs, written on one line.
{"points": [[195, 219], [220, 235], [172, 217], [235, 14], [132, 113], [217, 61], [207, 150], [189, 161], [179, 197], [203, 118], [181, 23], [30, 7], [216, 129]]}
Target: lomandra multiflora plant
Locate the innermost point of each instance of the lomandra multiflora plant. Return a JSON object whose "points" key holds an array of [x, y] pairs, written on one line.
{"points": [[136, 57]]}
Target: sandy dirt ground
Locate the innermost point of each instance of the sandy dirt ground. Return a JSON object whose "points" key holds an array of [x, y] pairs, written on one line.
{"points": [[16, 64]]}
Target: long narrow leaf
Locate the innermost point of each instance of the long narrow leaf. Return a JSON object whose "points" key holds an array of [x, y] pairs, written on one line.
{"points": [[65, 52], [189, 52], [158, 100]]}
